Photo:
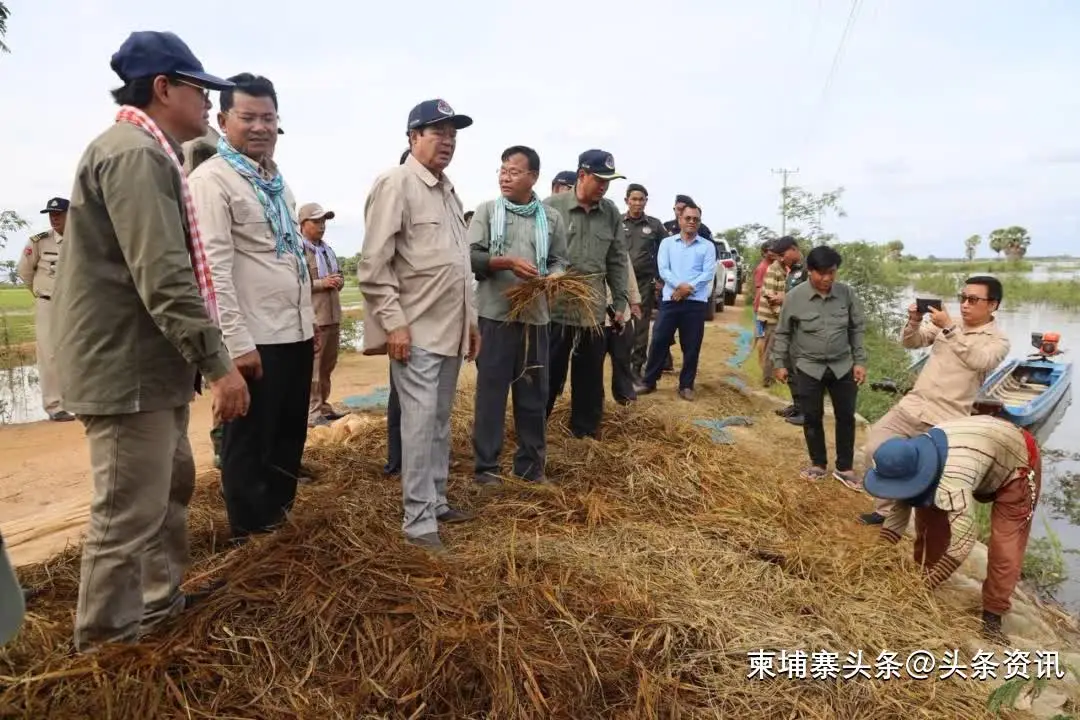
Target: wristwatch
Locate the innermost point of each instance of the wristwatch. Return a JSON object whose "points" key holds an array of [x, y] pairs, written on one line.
{"points": [[949, 331]]}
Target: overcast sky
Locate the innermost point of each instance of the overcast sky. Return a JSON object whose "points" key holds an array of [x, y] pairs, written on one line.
{"points": [[942, 119]]}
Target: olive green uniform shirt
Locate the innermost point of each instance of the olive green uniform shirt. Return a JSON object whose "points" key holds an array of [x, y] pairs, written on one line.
{"points": [[131, 328], [823, 332], [596, 247], [643, 236], [520, 241]]}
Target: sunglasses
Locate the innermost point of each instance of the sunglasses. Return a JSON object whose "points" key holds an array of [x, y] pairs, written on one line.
{"points": [[971, 299]]}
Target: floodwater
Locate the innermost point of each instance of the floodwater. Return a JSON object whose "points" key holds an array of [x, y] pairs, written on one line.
{"points": [[1058, 439]]}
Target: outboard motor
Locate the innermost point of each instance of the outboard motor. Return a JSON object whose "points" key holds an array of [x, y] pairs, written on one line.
{"points": [[1046, 343]]}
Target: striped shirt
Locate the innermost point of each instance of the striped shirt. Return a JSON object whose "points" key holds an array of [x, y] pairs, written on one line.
{"points": [[984, 454], [775, 284]]}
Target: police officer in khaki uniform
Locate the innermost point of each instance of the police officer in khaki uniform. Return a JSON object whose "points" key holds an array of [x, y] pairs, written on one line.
{"points": [[37, 269]]}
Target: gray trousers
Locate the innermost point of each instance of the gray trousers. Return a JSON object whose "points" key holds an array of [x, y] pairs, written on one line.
{"points": [[514, 359], [136, 549], [426, 386]]}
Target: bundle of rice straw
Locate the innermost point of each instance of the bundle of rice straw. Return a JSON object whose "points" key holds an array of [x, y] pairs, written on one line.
{"points": [[576, 296]]}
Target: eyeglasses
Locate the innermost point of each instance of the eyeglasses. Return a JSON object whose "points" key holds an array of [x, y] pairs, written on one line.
{"points": [[203, 91], [971, 299], [692, 220], [512, 173]]}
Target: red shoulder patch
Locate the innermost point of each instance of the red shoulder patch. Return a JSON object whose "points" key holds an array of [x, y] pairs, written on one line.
{"points": [[29, 251]]}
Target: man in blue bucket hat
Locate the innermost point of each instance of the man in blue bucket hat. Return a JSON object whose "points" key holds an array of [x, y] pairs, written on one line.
{"points": [[941, 474]]}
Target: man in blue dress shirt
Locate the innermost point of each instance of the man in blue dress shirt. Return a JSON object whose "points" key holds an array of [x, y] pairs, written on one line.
{"points": [[687, 264]]}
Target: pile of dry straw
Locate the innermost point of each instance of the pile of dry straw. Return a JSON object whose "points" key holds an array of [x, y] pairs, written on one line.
{"points": [[633, 590]]}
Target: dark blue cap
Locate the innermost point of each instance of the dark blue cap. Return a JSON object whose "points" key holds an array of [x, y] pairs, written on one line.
{"points": [[147, 53], [430, 112], [566, 177], [599, 163], [56, 204]]}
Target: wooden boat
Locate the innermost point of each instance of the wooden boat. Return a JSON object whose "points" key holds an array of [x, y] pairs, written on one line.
{"points": [[1025, 392]]}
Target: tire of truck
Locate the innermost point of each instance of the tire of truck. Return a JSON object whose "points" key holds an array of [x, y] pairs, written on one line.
{"points": [[710, 309], [729, 298]]}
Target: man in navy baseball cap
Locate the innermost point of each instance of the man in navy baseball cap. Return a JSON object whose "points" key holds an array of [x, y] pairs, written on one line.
{"points": [[148, 53], [433, 112], [598, 163], [564, 182]]}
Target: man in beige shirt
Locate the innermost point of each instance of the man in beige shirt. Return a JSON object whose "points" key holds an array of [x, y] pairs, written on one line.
{"points": [[961, 357], [326, 284], [37, 269], [417, 284], [256, 253], [135, 322]]}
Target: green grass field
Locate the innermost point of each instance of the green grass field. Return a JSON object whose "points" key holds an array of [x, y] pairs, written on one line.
{"points": [[17, 313], [16, 317], [13, 299]]}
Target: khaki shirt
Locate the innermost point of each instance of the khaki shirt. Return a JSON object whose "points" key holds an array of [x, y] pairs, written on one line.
{"points": [[520, 241], [822, 332], [129, 324], [956, 369], [263, 299], [984, 454], [631, 291], [38, 264], [325, 300], [414, 269], [643, 236], [597, 248]]}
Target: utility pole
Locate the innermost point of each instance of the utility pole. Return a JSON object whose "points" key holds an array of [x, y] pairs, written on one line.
{"points": [[784, 172]]}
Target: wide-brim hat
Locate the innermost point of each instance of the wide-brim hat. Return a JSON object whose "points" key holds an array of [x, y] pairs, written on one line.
{"points": [[905, 468], [12, 604]]}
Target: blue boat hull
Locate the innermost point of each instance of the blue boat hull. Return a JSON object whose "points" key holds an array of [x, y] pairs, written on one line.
{"points": [[1025, 392]]}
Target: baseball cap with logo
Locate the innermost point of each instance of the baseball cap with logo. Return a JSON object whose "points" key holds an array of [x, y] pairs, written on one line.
{"points": [[430, 112], [566, 177], [56, 204], [12, 601], [314, 211], [148, 53], [599, 163]]}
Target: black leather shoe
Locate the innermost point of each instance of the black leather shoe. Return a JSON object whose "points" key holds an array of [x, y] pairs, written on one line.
{"points": [[454, 515]]}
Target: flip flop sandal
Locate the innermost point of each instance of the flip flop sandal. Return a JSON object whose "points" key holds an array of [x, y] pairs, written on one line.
{"points": [[813, 473], [848, 479]]}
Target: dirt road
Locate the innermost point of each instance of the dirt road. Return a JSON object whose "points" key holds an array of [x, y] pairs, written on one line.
{"points": [[45, 486]]}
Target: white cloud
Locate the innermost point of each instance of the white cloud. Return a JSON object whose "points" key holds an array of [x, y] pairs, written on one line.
{"points": [[942, 120]]}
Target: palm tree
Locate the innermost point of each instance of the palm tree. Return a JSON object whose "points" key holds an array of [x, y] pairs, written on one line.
{"points": [[4, 13]]}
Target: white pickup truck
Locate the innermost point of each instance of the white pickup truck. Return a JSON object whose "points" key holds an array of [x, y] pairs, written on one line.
{"points": [[726, 285]]}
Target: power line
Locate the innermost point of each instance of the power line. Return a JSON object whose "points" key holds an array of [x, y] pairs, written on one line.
{"points": [[783, 196], [834, 66]]}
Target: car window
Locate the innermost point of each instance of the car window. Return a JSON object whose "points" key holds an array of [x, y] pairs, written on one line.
{"points": [[723, 255]]}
